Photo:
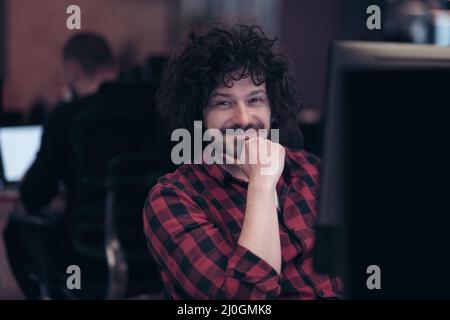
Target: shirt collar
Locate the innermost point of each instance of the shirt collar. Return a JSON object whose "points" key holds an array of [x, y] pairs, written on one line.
{"points": [[221, 175]]}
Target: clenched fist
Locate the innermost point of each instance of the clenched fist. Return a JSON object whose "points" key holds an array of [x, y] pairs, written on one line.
{"points": [[262, 161]]}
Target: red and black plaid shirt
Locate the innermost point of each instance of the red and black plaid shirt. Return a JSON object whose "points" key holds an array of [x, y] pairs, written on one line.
{"points": [[193, 220]]}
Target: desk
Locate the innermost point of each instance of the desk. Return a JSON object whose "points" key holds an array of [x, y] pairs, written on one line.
{"points": [[9, 200]]}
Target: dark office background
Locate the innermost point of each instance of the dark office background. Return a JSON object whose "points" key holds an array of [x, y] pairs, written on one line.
{"points": [[141, 32], [31, 35]]}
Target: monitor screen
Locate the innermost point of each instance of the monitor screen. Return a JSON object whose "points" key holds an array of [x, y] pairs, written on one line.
{"points": [[18, 147], [384, 182], [396, 167]]}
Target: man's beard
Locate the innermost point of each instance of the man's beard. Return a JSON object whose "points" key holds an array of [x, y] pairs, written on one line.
{"points": [[233, 143]]}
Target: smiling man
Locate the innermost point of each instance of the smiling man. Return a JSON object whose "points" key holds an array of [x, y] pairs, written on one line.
{"points": [[233, 231]]}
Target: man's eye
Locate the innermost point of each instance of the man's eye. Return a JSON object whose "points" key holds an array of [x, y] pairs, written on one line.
{"points": [[255, 100], [223, 103]]}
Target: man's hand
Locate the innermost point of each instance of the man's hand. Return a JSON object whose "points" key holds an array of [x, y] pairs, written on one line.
{"points": [[262, 161]]}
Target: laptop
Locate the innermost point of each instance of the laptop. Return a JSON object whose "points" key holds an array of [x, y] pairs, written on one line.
{"points": [[18, 148]]}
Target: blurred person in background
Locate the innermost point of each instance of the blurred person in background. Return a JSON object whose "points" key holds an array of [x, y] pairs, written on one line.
{"points": [[88, 62]]}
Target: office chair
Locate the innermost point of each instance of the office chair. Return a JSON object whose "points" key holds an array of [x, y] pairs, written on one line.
{"points": [[130, 267]]}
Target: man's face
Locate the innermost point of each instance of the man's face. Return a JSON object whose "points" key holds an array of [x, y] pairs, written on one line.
{"points": [[243, 106]]}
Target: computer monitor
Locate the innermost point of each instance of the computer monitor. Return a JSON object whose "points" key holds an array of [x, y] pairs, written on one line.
{"points": [[18, 148], [384, 198]]}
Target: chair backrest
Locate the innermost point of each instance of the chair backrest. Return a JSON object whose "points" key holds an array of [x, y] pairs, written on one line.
{"points": [[129, 178], [121, 121]]}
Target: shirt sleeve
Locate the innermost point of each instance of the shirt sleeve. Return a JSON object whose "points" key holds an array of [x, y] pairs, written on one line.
{"points": [[40, 183], [194, 255]]}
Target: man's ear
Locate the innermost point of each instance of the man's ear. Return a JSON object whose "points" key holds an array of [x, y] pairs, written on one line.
{"points": [[72, 71]]}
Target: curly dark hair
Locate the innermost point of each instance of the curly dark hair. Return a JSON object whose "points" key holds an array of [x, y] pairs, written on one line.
{"points": [[212, 58]]}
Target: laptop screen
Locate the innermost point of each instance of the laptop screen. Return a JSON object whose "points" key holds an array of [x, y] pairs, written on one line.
{"points": [[18, 148]]}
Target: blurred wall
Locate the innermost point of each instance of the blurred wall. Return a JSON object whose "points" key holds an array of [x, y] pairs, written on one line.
{"points": [[36, 32], [308, 27], [2, 39]]}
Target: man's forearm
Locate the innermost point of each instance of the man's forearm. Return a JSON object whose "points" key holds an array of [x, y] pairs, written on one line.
{"points": [[260, 232]]}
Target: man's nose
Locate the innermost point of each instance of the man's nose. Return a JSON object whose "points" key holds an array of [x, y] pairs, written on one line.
{"points": [[242, 115]]}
